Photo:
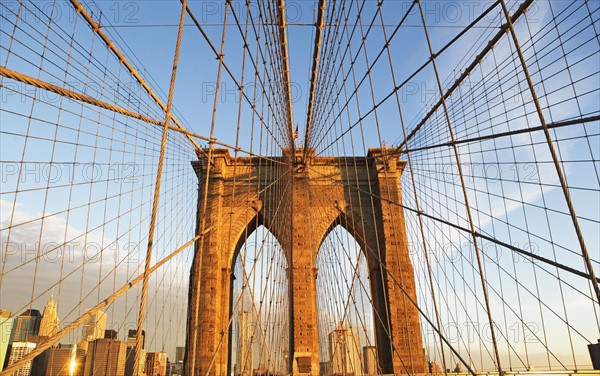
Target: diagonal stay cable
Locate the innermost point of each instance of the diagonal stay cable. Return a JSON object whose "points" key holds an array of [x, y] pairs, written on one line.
{"points": [[464, 229], [157, 184], [314, 73], [111, 46], [286, 71], [50, 341]]}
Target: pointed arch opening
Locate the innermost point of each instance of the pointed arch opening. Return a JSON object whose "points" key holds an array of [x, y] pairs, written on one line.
{"points": [[344, 304], [259, 306]]}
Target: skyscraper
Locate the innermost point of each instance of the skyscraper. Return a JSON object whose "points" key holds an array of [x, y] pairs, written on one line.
{"points": [[370, 360], [65, 361], [110, 334], [28, 324], [131, 338], [156, 364], [130, 362], [105, 357], [17, 352], [179, 354], [49, 324], [244, 343], [177, 366], [7, 327], [94, 327], [343, 352]]}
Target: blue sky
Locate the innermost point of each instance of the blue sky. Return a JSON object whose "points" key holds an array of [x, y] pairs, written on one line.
{"points": [[510, 180]]}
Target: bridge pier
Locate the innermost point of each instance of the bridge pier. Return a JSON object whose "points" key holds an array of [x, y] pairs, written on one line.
{"points": [[359, 193], [304, 247]]}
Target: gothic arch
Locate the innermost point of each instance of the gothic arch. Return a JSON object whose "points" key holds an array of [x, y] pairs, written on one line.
{"points": [[348, 224], [243, 234], [242, 195], [236, 274]]}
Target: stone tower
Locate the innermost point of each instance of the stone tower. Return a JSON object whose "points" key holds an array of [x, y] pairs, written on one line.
{"points": [[49, 325], [362, 194]]}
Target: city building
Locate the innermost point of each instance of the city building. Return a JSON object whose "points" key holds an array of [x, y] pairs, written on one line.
{"points": [[49, 324], [245, 330], [17, 352], [370, 360], [28, 324], [130, 361], [179, 354], [177, 366], [156, 364], [131, 338], [7, 327], [38, 365], [594, 349], [65, 360], [105, 357], [173, 369], [344, 352], [110, 334], [94, 328]]}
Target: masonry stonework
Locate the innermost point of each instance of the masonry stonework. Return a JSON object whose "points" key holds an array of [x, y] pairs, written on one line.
{"points": [[300, 204]]}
